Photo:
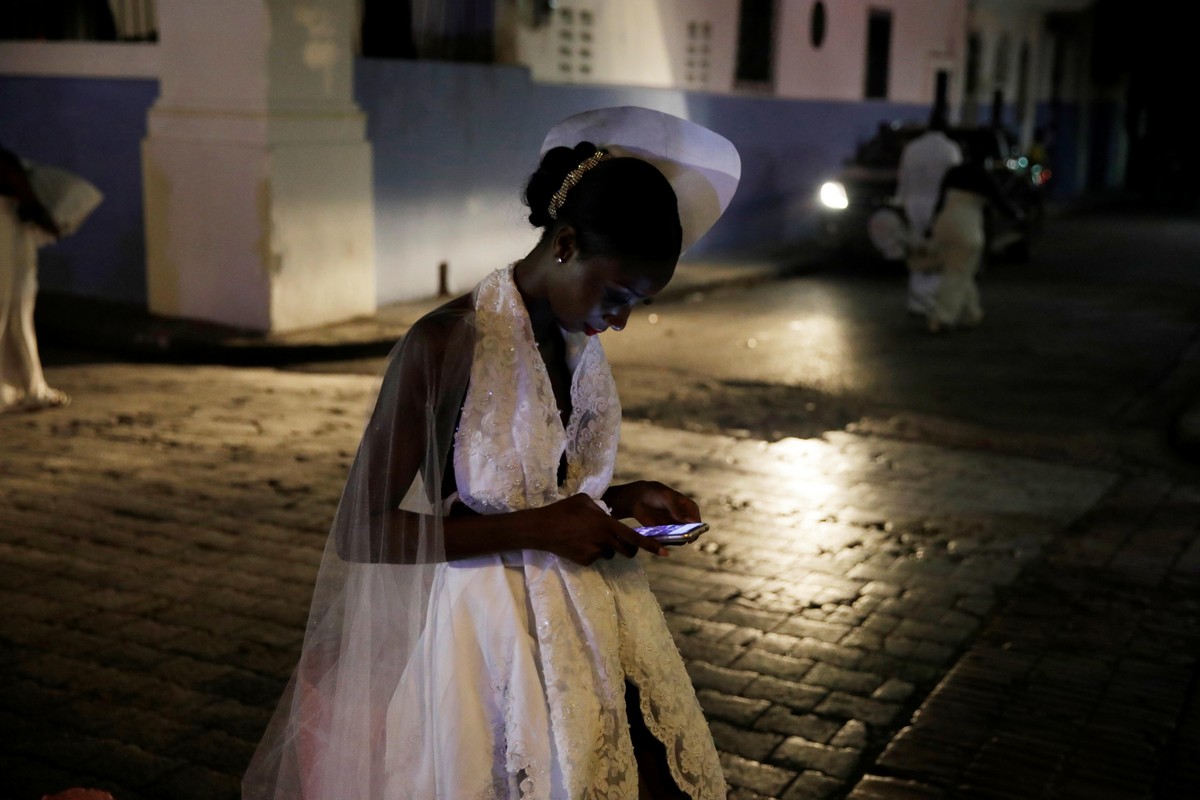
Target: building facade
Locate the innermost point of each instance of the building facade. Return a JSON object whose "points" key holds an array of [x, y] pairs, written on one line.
{"points": [[319, 179]]}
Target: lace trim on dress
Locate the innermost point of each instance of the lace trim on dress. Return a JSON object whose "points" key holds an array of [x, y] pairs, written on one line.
{"points": [[668, 702], [510, 438]]}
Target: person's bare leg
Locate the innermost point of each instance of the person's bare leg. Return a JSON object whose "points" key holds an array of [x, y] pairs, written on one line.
{"points": [[654, 776], [20, 363]]}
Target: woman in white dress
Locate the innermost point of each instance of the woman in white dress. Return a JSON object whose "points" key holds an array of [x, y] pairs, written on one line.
{"points": [[481, 625]]}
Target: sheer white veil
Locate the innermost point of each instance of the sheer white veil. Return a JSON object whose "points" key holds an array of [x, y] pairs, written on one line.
{"points": [[368, 612]]}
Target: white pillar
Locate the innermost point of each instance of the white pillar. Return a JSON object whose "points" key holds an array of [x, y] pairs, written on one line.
{"points": [[257, 171]]}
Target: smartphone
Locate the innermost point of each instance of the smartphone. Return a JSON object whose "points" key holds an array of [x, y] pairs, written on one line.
{"points": [[674, 534]]}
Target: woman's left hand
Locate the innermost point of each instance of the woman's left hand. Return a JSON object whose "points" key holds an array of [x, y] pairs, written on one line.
{"points": [[651, 503]]}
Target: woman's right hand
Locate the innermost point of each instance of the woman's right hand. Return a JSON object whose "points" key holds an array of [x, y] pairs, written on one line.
{"points": [[578, 530]]}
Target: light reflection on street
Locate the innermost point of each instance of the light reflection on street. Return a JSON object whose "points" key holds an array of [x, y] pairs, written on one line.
{"points": [[826, 348], [812, 339], [817, 527]]}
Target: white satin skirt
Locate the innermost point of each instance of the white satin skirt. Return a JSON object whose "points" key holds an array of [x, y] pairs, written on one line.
{"points": [[517, 689]]}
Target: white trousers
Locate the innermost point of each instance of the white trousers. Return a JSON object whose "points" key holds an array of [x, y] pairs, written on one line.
{"points": [[21, 378], [959, 240], [922, 290]]}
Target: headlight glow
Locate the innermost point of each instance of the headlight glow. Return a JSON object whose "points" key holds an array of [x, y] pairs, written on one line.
{"points": [[833, 195]]}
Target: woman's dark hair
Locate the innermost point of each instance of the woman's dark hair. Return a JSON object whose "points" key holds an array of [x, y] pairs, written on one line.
{"points": [[621, 206]]}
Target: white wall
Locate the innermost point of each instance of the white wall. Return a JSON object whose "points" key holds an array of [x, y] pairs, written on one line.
{"points": [[631, 42], [835, 70], [927, 36], [692, 44], [701, 42]]}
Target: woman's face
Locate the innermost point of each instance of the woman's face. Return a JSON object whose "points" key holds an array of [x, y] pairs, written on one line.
{"points": [[597, 293]]}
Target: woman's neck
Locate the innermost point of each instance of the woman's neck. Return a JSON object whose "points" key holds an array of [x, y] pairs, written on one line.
{"points": [[530, 279]]}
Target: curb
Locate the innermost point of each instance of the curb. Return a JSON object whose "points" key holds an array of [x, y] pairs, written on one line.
{"points": [[129, 331]]}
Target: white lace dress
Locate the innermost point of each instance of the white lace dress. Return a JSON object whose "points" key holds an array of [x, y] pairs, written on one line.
{"points": [[517, 689]]}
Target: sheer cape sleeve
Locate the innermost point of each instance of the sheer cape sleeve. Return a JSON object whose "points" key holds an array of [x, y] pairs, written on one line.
{"points": [[373, 585]]}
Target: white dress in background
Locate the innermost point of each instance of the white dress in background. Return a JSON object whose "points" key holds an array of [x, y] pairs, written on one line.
{"points": [[958, 235], [517, 687]]}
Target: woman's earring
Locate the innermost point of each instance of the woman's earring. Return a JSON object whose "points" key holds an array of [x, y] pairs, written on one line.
{"points": [[560, 259]]}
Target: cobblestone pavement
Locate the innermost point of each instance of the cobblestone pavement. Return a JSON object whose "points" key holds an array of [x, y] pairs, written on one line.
{"points": [[160, 538], [1084, 683]]}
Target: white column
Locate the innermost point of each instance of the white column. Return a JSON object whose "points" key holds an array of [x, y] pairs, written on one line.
{"points": [[257, 171]]}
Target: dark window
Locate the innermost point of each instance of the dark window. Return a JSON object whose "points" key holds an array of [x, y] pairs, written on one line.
{"points": [[460, 30], [941, 90], [1000, 76], [816, 25], [94, 20], [755, 24], [974, 48], [1022, 81], [879, 53]]}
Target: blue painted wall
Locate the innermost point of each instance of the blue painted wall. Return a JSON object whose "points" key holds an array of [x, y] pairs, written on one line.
{"points": [[442, 132], [442, 129], [94, 127]]}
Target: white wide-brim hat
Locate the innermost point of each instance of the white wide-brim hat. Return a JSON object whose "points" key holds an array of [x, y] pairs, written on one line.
{"points": [[702, 167]]}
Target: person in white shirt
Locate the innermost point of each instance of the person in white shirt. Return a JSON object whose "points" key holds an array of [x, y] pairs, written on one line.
{"points": [[923, 163]]}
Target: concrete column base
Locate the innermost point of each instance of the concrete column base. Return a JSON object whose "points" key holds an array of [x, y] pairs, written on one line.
{"points": [[256, 168], [259, 234]]}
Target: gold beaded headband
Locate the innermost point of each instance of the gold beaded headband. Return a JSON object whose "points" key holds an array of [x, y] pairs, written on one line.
{"points": [[573, 177]]}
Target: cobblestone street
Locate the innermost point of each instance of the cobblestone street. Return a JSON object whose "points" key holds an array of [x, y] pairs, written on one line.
{"points": [[939, 569], [160, 538]]}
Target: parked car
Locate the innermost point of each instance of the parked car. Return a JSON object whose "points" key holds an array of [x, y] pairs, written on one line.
{"points": [[867, 184]]}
